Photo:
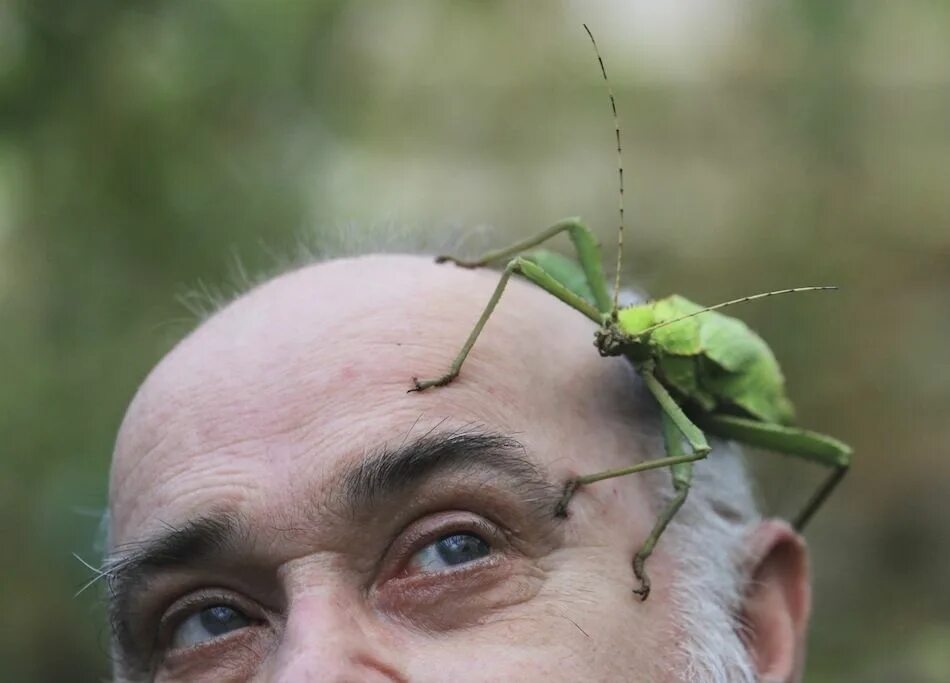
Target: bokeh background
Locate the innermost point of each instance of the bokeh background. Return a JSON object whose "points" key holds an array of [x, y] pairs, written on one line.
{"points": [[153, 149]]}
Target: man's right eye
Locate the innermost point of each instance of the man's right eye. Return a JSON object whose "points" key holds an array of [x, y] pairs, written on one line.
{"points": [[207, 624]]}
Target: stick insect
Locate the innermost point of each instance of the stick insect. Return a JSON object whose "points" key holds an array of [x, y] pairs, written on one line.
{"points": [[709, 373]]}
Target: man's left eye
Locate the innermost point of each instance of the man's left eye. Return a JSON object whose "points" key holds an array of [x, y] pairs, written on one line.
{"points": [[449, 551], [211, 622]]}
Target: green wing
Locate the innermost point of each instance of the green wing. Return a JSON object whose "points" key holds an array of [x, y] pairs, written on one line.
{"points": [[679, 344], [742, 370], [681, 338], [714, 360]]}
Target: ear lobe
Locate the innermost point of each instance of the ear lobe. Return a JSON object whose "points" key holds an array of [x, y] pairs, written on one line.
{"points": [[777, 602]]}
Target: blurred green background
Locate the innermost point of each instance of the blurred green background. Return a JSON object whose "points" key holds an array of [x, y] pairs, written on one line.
{"points": [[147, 147]]}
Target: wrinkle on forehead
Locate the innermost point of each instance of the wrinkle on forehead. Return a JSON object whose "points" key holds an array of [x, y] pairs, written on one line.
{"points": [[320, 352]]}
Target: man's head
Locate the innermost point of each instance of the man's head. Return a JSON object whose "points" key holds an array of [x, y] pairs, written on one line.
{"points": [[282, 509]]}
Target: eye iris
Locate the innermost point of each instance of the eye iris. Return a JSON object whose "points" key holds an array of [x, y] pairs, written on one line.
{"points": [[461, 548], [220, 619]]}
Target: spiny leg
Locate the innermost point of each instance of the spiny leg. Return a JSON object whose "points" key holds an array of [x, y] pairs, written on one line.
{"points": [[676, 426], [800, 443], [585, 244], [694, 435], [681, 467], [571, 486], [816, 501], [682, 477], [535, 274], [671, 411]]}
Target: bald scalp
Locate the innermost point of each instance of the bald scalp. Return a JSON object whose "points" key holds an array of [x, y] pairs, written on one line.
{"points": [[364, 327]]}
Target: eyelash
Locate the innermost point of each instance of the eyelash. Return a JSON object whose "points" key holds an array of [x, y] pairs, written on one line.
{"points": [[411, 541], [192, 604]]}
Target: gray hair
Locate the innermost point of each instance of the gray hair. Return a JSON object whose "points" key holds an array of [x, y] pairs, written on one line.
{"points": [[707, 541]]}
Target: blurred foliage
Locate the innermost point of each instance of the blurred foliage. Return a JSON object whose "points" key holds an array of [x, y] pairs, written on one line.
{"points": [[148, 147]]}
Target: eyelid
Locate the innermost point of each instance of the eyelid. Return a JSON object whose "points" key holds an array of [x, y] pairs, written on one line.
{"points": [[191, 604], [430, 529]]}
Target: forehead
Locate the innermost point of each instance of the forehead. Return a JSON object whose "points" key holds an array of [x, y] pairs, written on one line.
{"points": [[311, 370]]}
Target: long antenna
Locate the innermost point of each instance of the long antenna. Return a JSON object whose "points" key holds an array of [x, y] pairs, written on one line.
{"points": [[613, 108], [733, 302]]}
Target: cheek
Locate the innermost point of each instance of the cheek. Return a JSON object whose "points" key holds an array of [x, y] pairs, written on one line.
{"points": [[470, 600], [584, 625], [557, 644]]}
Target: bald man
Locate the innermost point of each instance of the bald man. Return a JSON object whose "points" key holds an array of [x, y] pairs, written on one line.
{"points": [[283, 510]]}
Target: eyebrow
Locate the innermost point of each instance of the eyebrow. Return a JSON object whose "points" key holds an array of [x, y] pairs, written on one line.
{"points": [[129, 567], [388, 472], [383, 474]]}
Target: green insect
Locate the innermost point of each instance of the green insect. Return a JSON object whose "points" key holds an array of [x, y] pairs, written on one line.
{"points": [[708, 372]]}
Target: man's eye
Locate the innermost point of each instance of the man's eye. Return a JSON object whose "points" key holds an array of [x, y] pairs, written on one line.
{"points": [[449, 551], [206, 625]]}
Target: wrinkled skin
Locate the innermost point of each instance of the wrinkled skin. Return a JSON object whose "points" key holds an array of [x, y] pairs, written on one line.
{"points": [[258, 411]]}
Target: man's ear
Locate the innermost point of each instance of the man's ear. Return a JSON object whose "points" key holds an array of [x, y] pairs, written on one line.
{"points": [[777, 602]]}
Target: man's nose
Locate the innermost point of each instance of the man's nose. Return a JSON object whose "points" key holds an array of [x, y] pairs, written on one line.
{"points": [[326, 640]]}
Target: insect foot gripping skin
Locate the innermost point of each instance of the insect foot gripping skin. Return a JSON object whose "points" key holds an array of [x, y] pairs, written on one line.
{"points": [[709, 373]]}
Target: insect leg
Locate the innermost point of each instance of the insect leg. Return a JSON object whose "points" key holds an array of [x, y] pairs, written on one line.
{"points": [[585, 244], [535, 274], [669, 406], [682, 477], [670, 411], [800, 443], [818, 498], [560, 510]]}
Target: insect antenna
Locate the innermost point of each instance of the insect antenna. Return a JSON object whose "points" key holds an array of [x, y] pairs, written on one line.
{"points": [[613, 109], [733, 302]]}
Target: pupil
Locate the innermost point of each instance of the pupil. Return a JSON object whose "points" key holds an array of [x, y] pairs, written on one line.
{"points": [[461, 548], [221, 619]]}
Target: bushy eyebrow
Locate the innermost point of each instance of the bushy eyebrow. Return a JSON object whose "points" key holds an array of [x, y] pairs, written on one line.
{"points": [[388, 473], [381, 477], [129, 567]]}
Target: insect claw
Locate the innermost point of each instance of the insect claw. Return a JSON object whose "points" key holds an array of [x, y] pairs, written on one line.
{"points": [[570, 486], [644, 590], [458, 262], [422, 385]]}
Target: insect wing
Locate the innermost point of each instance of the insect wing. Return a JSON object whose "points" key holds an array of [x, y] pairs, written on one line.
{"points": [[680, 338], [730, 343]]}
